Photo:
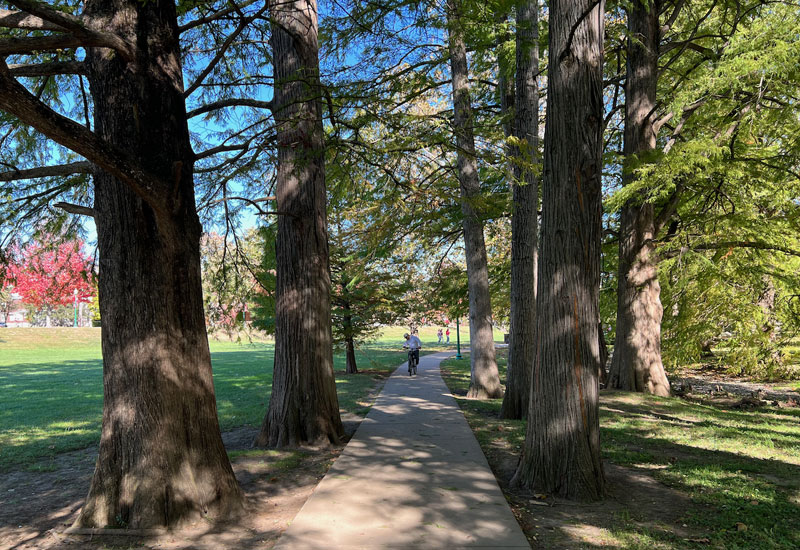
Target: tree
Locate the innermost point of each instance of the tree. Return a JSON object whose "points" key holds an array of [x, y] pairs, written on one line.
{"points": [[525, 216], [161, 458], [49, 276], [636, 363], [229, 280], [485, 378], [561, 454], [303, 407]]}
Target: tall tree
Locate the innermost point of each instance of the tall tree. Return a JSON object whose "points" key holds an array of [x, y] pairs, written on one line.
{"points": [[524, 217], [161, 458], [303, 407], [485, 378], [561, 454], [636, 362]]}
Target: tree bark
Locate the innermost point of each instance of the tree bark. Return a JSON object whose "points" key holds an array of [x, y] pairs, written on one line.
{"points": [[351, 367], [561, 454], [484, 378], [524, 219], [350, 348], [636, 362], [304, 408], [161, 459]]}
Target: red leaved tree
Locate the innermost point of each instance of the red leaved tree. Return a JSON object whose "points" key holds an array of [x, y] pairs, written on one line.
{"points": [[48, 276]]}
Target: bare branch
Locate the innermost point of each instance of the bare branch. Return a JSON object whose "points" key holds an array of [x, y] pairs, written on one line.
{"points": [[221, 149], [75, 209], [757, 245], [48, 69], [22, 20], [243, 24], [29, 44], [82, 167], [213, 17], [232, 102], [77, 27]]}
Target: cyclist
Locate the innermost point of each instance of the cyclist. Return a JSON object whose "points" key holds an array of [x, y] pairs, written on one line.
{"points": [[413, 346]]}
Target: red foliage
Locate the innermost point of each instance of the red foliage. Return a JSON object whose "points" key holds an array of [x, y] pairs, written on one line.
{"points": [[48, 276]]}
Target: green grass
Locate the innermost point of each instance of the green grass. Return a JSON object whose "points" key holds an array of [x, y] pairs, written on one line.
{"points": [[51, 387], [737, 467]]}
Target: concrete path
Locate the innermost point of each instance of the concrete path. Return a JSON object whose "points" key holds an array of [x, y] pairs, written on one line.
{"points": [[412, 476]]}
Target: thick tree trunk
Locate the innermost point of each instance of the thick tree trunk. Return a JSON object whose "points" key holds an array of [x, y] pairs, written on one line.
{"points": [[561, 454], [161, 460], [524, 219], [304, 408], [485, 378], [636, 363]]}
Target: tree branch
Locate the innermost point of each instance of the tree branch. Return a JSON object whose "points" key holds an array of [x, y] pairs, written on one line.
{"points": [[48, 69], [232, 102], [213, 17], [16, 100], [77, 28], [22, 20], [243, 24], [758, 245], [221, 149], [29, 44], [75, 209], [82, 167]]}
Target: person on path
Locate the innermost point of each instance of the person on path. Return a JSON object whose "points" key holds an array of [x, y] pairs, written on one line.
{"points": [[439, 334], [413, 345], [448, 334]]}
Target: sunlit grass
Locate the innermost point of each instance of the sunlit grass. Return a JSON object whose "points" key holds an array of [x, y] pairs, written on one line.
{"points": [[741, 469], [51, 387]]}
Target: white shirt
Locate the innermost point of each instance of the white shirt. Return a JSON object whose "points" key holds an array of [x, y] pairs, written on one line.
{"points": [[413, 343]]}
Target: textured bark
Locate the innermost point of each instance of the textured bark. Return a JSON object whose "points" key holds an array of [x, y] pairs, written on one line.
{"points": [[350, 347], [161, 458], [484, 378], [524, 219], [636, 363], [561, 454], [304, 408]]}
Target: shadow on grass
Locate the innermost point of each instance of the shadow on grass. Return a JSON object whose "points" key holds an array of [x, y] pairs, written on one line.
{"points": [[56, 406]]}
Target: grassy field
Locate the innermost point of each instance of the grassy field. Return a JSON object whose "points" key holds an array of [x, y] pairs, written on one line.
{"points": [[51, 386], [740, 469]]}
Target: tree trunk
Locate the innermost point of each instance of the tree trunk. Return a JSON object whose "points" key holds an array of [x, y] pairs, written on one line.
{"points": [[304, 408], [350, 348], [524, 218], [485, 378], [561, 454], [352, 368], [161, 460], [636, 363]]}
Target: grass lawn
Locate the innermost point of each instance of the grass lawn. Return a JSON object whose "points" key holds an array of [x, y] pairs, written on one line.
{"points": [[51, 387], [739, 469]]}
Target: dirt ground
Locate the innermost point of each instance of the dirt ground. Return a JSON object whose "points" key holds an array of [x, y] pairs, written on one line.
{"points": [[38, 506]]}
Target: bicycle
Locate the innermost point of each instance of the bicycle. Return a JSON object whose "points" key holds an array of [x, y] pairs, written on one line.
{"points": [[413, 361]]}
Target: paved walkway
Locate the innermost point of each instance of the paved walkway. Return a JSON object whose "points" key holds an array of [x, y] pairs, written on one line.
{"points": [[412, 476]]}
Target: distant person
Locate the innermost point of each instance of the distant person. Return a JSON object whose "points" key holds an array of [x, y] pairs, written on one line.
{"points": [[448, 334], [439, 334], [413, 346]]}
